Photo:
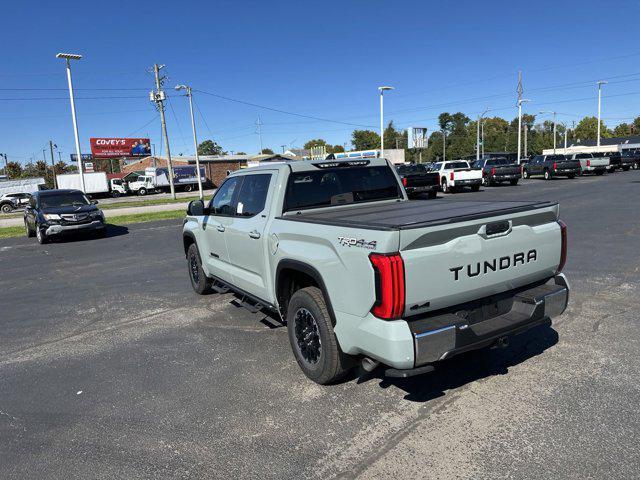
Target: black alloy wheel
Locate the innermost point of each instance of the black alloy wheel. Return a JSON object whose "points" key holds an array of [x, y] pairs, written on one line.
{"points": [[307, 336]]}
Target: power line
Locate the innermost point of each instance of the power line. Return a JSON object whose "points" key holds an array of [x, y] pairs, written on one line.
{"points": [[144, 126], [277, 110]]}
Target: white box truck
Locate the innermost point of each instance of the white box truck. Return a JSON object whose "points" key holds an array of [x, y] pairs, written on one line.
{"points": [[95, 183]]}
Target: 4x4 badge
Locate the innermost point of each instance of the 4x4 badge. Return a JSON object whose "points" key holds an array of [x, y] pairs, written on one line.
{"points": [[357, 242]]}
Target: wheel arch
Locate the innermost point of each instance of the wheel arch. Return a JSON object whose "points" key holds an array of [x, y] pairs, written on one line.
{"points": [[188, 239], [292, 273]]}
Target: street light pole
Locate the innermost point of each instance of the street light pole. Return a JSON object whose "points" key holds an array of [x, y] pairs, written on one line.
{"points": [[554, 129], [478, 134], [520, 102], [68, 57], [382, 89], [600, 83], [195, 138]]}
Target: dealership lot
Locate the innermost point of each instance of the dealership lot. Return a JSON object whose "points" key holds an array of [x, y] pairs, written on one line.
{"points": [[112, 367]]}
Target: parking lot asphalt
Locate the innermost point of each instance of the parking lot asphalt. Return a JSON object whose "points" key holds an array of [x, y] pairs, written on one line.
{"points": [[111, 367]]}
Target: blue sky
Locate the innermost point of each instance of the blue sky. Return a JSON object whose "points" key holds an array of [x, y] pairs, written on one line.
{"points": [[322, 59]]}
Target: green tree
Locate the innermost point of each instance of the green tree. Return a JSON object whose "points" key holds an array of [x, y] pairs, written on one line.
{"points": [[393, 138], [318, 142], [209, 147], [14, 170], [365, 140], [267, 151], [335, 149], [240, 153], [587, 129], [623, 130]]}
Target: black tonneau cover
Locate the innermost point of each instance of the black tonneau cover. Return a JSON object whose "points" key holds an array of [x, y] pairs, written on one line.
{"points": [[407, 215]]}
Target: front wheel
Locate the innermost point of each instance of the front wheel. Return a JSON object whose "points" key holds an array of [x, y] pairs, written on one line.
{"points": [[636, 166], [547, 175], [312, 338], [41, 236], [142, 191], [525, 174], [7, 208], [188, 188], [30, 233], [199, 281]]}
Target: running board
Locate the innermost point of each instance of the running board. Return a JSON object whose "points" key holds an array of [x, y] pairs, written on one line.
{"points": [[220, 287], [248, 304]]}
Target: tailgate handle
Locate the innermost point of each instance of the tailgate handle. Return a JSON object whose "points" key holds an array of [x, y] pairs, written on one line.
{"points": [[495, 229]]}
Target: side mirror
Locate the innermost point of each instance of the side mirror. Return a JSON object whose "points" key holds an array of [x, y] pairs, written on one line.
{"points": [[94, 202], [196, 208]]}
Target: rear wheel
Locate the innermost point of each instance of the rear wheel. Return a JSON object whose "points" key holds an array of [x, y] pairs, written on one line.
{"points": [[445, 186], [6, 208], [432, 194], [636, 166], [199, 280], [514, 181], [188, 188], [312, 338], [599, 172], [571, 175], [475, 188], [525, 173], [626, 169]]}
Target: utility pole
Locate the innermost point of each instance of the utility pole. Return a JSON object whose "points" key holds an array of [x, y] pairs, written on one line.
{"points": [[259, 132], [158, 97], [53, 166], [600, 83], [6, 164]]}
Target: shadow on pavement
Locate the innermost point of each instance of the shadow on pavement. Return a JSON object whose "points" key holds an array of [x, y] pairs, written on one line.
{"points": [[470, 367], [112, 231]]}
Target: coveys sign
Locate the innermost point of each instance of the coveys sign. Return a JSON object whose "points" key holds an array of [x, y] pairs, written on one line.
{"points": [[120, 147]]}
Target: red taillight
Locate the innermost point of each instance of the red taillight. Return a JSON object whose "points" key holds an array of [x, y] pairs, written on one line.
{"points": [[451, 176], [389, 281], [588, 163], [404, 181], [563, 251], [493, 170], [555, 166]]}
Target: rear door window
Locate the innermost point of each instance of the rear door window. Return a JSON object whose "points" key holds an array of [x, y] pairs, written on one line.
{"points": [[253, 194]]}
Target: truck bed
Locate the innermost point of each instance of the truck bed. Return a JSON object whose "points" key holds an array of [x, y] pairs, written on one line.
{"points": [[408, 215]]}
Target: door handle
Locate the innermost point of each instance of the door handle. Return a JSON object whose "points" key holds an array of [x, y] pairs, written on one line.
{"points": [[220, 228], [254, 234]]}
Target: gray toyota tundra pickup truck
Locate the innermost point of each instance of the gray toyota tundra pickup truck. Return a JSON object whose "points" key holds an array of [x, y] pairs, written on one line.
{"points": [[361, 274]]}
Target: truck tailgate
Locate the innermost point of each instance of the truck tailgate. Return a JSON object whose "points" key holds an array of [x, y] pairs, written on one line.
{"points": [[450, 264], [466, 174]]}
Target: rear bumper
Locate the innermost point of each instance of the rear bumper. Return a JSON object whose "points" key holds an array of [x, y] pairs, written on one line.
{"points": [[530, 308], [62, 229], [422, 188], [504, 178], [407, 345], [566, 171], [468, 182]]}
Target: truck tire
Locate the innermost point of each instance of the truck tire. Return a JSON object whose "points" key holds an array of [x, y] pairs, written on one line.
{"points": [[475, 188], [547, 175], [525, 173], [432, 194], [41, 236], [199, 281], [6, 208], [312, 339], [513, 182], [445, 186], [115, 194], [188, 188], [571, 175], [142, 191], [30, 233], [599, 172], [626, 168]]}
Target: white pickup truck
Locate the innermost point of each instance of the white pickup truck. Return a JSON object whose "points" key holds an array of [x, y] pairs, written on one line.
{"points": [[457, 174], [589, 163]]}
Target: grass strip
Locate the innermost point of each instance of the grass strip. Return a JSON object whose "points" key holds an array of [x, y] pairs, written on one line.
{"points": [[18, 231]]}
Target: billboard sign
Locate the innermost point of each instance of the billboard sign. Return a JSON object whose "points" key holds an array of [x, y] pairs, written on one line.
{"points": [[120, 147], [417, 137]]}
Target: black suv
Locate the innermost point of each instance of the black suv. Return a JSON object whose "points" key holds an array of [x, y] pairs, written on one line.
{"points": [[57, 212]]}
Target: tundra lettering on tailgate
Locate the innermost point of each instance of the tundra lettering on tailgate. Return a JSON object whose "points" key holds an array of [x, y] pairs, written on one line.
{"points": [[502, 263]]}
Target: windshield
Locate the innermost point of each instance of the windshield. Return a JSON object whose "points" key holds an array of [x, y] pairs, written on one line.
{"points": [[339, 186], [72, 199]]}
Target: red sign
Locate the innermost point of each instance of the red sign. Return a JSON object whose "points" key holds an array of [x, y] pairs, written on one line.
{"points": [[120, 147]]}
